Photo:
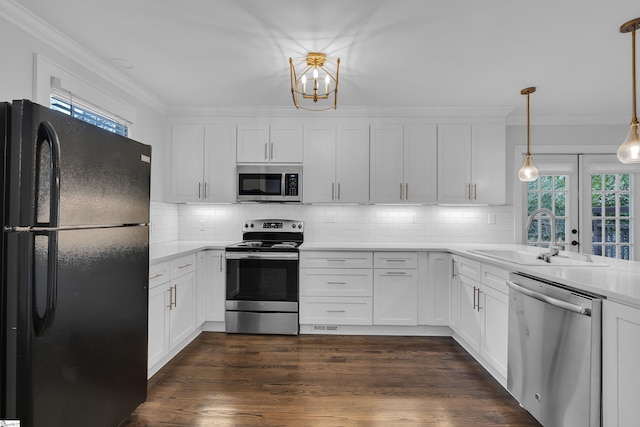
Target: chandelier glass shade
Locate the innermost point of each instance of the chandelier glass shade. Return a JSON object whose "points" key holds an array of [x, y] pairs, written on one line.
{"points": [[629, 151], [314, 82], [528, 171]]}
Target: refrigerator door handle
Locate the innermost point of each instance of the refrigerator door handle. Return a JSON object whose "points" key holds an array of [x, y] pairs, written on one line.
{"points": [[41, 324]]}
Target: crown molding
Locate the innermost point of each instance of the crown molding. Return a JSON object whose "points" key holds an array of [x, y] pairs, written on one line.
{"points": [[23, 19], [441, 113], [548, 120]]}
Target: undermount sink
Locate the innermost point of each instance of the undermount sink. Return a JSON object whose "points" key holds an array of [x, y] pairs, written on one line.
{"points": [[530, 258]]}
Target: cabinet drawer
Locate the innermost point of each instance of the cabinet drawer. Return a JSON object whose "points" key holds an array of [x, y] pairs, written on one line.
{"points": [[395, 260], [182, 266], [335, 259], [159, 274], [495, 277], [336, 311], [469, 268], [351, 282]]}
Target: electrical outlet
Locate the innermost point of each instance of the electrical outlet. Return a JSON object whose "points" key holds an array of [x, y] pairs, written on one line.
{"points": [[491, 218], [329, 217]]}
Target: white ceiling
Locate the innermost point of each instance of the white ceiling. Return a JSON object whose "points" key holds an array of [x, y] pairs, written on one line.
{"points": [[394, 53]]}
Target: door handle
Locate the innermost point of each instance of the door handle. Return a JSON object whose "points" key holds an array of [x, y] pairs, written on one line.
{"points": [[574, 243], [41, 324]]}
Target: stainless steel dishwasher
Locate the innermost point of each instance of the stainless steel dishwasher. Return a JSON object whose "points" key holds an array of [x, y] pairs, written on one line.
{"points": [[555, 346]]}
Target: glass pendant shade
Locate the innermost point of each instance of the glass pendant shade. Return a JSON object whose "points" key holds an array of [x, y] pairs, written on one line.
{"points": [[629, 151], [528, 171]]}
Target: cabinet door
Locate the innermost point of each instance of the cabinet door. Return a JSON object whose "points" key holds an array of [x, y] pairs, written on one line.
{"points": [[387, 164], [454, 163], [187, 153], [285, 143], [420, 163], [395, 297], [352, 164], [220, 163], [469, 317], [215, 286], [200, 283], [183, 304], [488, 163], [620, 367], [253, 143], [158, 323], [454, 302], [494, 309], [319, 164], [438, 288]]}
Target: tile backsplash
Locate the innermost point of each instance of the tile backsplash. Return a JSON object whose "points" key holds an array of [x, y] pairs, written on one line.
{"points": [[336, 223]]}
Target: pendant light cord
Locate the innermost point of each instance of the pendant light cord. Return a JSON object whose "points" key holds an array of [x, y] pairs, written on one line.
{"points": [[634, 118], [528, 126]]}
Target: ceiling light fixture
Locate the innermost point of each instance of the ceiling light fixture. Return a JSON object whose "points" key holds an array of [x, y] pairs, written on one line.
{"points": [[629, 151], [528, 171], [306, 90]]}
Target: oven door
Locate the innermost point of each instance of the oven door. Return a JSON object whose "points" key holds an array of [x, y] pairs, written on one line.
{"points": [[262, 281]]}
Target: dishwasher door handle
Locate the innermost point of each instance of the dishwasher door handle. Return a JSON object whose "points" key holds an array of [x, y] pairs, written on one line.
{"points": [[549, 300]]}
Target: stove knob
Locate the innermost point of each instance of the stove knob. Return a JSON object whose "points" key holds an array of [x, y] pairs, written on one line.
{"points": [[246, 225], [299, 225], [251, 225], [293, 226]]}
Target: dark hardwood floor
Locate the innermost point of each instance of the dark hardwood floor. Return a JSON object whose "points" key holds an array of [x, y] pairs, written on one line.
{"points": [[325, 380]]}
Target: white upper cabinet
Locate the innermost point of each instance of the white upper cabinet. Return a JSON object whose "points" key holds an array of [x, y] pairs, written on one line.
{"points": [[471, 163], [278, 142], [203, 163], [403, 163], [336, 163]]}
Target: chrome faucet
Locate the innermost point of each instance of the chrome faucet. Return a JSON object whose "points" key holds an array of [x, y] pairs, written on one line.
{"points": [[554, 249]]}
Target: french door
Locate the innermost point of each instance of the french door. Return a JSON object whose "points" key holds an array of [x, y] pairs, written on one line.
{"points": [[592, 198]]}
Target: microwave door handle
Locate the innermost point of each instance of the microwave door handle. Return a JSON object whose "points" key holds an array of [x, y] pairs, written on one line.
{"points": [[282, 182]]}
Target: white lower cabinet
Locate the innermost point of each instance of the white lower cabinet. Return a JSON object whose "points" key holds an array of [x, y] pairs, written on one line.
{"points": [[395, 288], [214, 285], [336, 288], [172, 308], [620, 367], [480, 312]]}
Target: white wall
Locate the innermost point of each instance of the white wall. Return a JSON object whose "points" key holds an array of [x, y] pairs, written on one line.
{"points": [[18, 48]]}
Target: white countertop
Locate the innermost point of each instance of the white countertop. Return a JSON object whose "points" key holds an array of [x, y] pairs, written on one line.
{"points": [[620, 281], [161, 252]]}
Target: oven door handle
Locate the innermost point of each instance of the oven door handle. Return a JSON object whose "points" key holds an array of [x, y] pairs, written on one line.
{"points": [[263, 255], [549, 300]]}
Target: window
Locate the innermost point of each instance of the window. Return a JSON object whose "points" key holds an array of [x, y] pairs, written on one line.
{"points": [[611, 216], [88, 114], [550, 192]]}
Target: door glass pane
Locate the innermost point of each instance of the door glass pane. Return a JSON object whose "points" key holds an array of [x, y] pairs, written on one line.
{"points": [[611, 215], [550, 192]]}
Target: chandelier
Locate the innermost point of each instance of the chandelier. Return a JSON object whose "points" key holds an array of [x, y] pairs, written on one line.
{"points": [[314, 82]]}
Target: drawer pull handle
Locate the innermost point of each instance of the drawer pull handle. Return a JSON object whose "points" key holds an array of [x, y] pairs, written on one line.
{"points": [[155, 276], [336, 311], [395, 260], [336, 283], [189, 264], [396, 272], [336, 260]]}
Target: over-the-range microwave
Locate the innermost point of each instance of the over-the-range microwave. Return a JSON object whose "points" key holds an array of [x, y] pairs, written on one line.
{"points": [[269, 183]]}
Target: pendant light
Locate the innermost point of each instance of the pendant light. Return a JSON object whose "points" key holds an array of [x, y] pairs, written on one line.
{"points": [[528, 171], [629, 151]]}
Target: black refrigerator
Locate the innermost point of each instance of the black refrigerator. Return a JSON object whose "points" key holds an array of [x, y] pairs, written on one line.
{"points": [[75, 263]]}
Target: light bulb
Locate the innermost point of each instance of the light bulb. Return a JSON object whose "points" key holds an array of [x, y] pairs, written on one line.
{"points": [[315, 73], [326, 84], [528, 171], [629, 151], [304, 83]]}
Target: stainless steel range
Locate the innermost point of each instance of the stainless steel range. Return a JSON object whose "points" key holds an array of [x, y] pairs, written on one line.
{"points": [[262, 278]]}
